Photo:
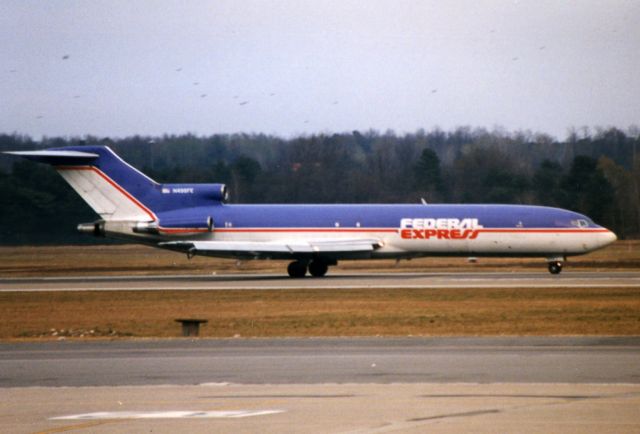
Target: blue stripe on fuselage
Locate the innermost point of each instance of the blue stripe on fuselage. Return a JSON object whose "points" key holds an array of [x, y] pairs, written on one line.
{"points": [[368, 216], [193, 211]]}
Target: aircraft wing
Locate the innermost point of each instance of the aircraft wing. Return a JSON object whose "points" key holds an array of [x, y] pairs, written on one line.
{"points": [[276, 249]]}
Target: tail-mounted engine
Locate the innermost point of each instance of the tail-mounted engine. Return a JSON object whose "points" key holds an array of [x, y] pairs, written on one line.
{"points": [[96, 228], [194, 194]]}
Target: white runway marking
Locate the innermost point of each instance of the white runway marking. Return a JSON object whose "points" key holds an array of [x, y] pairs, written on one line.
{"points": [[348, 281], [102, 415]]}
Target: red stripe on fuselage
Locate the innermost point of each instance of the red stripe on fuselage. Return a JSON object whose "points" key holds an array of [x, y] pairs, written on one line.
{"points": [[306, 230], [360, 230], [544, 231], [181, 230], [274, 230], [114, 184]]}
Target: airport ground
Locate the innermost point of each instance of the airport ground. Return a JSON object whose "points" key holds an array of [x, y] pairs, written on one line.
{"points": [[338, 385], [491, 346], [597, 294]]}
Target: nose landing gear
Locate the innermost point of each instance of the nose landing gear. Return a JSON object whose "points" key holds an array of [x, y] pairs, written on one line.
{"points": [[555, 267]]}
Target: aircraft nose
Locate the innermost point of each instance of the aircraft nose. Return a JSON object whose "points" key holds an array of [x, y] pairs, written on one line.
{"points": [[608, 238]]}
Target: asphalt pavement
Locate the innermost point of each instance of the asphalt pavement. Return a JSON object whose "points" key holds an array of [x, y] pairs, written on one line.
{"points": [[322, 360], [365, 385]]}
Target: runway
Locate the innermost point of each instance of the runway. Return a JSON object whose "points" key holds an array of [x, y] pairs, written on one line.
{"points": [[440, 385], [540, 279], [319, 361], [337, 385]]}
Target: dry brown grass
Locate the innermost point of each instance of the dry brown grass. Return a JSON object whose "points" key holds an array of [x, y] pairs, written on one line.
{"points": [[142, 260], [354, 312]]}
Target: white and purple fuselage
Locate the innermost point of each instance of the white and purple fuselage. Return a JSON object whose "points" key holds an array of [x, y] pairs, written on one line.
{"points": [[195, 218]]}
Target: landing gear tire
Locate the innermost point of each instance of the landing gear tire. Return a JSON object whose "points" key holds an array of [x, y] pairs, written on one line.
{"points": [[555, 267], [318, 268], [297, 269]]}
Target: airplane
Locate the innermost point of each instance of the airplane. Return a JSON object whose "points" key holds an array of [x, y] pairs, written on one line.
{"points": [[197, 220]]}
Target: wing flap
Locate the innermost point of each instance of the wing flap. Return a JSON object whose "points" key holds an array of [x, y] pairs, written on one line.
{"points": [[257, 248]]}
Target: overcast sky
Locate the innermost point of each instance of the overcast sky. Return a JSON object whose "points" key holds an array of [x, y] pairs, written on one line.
{"points": [[118, 68]]}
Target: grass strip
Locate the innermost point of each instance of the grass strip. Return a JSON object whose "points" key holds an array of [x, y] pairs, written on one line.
{"points": [[326, 312]]}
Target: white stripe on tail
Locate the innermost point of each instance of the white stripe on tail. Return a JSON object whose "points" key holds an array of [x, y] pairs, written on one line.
{"points": [[106, 197]]}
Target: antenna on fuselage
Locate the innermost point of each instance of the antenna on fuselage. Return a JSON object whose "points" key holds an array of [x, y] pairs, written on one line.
{"points": [[424, 202]]}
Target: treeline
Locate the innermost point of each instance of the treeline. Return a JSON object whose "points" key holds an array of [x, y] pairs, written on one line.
{"points": [[594, 173]]}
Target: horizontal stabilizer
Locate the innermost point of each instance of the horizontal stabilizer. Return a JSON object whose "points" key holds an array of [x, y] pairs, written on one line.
{"points": [[56, 157], [271, 248]]}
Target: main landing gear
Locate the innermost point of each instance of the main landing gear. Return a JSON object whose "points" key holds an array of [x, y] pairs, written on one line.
{"points": [[555, 267], [297, 269], [317, 268]]}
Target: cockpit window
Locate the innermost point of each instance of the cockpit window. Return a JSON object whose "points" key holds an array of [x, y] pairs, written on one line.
{"points": [[580, 223], [574, 223]]}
